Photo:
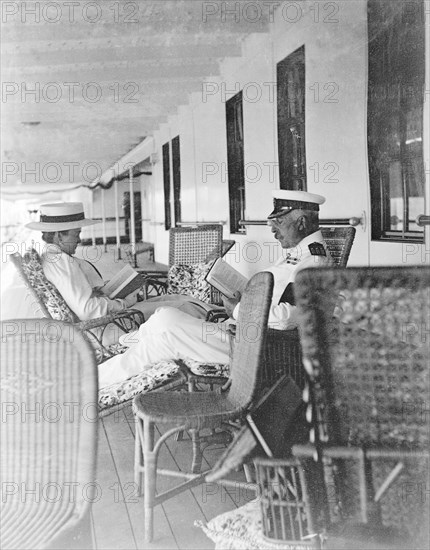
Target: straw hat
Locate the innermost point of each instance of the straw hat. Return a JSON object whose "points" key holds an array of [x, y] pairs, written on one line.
{"points": [[284, 201], [61, 216]]}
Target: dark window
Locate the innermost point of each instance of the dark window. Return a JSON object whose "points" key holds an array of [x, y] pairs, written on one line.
{"points": [[291, 121], [176, 166], [235, 162], [166, 183], [395, 118]]}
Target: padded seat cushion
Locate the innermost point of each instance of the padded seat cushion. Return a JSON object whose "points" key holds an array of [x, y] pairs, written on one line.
{"points": [[190, 279], [164, 372], [110, 397]]}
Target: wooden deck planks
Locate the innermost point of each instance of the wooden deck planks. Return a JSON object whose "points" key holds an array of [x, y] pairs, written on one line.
{"points": [[112, 525], [118, 515], [183, 509], [122, 447]]}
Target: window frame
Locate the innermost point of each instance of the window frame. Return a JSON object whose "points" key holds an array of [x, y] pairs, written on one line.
{"points": [[166, 185], [236, 162], [388, 105], [291, 113], [176, 173]]}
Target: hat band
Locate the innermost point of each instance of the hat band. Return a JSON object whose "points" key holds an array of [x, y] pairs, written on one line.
{"points": [[62, 219], [280, 204]]}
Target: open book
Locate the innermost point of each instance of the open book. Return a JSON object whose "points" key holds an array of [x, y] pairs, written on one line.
{"points": [[126, 281], [226, 279]]}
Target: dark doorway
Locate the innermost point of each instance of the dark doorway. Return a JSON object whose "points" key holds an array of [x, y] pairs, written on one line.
{"points": [[137, 215]]}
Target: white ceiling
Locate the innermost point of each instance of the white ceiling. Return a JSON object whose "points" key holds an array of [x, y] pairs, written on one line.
{"points": [[142, 70]]}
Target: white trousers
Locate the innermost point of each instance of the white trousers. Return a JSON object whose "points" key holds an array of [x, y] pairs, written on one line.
{"points": [[168, 334]]}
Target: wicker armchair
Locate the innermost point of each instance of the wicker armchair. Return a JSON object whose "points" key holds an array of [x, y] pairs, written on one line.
{"points": [[48, 302], [190, 249], [48, 435], [197, 411], [368, 401]]}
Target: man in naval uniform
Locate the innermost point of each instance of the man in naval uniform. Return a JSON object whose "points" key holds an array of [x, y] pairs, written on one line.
{"points": [[173, 334]]}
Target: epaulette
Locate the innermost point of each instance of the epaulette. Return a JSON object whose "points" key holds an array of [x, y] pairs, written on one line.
{"points": [[317, 249]]}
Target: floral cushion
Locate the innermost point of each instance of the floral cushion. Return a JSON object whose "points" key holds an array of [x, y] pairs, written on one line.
{"points": [[46, 291], [242, 528], [190, 280], [110, 397]]}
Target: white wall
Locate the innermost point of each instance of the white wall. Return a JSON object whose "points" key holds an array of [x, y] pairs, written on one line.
{"points": [[335, 40]]}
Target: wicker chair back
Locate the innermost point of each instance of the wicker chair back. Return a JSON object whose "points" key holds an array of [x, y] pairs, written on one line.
{"points": [[339, 241], [369, 387], [192, 245], [251, 328], [49, 383]]}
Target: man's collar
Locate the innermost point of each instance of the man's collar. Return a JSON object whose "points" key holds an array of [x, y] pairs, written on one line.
{"points": [[302, 249]]}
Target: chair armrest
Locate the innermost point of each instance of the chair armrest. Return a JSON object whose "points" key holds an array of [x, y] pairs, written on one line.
{"points": [[217, 314], [94, 330], [154, 286], [134, 315], [154, 274]]}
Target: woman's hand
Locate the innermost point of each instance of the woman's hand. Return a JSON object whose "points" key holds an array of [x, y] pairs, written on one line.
{"points": [[132, 298], [97, 292], [231, 303]]}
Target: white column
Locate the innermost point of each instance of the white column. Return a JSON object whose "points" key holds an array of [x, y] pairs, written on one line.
{"points": [[104, 220], [93, 233], [118, 240], [132, 220]]}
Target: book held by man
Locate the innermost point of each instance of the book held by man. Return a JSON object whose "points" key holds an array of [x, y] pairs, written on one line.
{"points": [[226, 279], [126, 281]]}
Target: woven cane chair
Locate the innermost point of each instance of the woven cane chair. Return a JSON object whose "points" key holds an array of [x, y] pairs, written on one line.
{"points": [[48, 435], [48, 302], [190, 249], [284, 503], [197, 411], [276, 520], [339, 241], [283, 351], [368, 400]]}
